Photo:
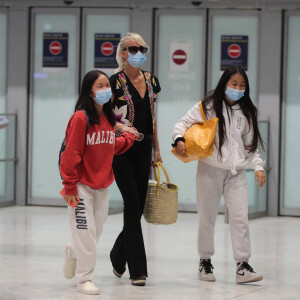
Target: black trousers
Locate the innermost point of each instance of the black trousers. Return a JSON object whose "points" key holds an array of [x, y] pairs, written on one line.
{"points": [[131, 171]]}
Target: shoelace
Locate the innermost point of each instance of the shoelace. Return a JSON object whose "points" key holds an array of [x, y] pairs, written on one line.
{"points": [[208, 267], [246, 266]]}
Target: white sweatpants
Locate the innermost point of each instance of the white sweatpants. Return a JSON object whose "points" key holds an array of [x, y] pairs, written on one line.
{"points": [[86, 221], [212, 183]]}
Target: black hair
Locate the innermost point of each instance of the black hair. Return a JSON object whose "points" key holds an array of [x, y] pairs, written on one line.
{"points": [[87, 103], [249, 110]]}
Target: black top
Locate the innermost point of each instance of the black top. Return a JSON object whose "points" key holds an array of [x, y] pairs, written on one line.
{"points": [[142, 109]]}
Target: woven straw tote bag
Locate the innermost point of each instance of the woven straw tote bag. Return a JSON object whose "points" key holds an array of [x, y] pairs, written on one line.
{"points": [[199, 139], [161, 205]]}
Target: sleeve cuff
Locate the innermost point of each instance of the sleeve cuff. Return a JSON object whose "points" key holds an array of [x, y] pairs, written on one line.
{"points": [[259, 168], [71, 191], [177, 136]]}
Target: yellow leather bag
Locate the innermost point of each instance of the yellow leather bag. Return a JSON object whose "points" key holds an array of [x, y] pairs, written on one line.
{"points": [[199, 139]]}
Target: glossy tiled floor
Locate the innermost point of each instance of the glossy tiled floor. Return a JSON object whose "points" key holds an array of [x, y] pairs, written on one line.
{"points": [[31, 259]]}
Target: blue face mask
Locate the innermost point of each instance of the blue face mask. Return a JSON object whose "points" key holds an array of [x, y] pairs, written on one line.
{"points": [[103, 96], [234, 94], [136, 60]]}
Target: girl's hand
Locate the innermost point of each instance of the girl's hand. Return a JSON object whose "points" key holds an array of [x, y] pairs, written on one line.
{"points": [[157, 158], [180, 149], [260, 175], [123, 128], [132, 130], [70, 198]]}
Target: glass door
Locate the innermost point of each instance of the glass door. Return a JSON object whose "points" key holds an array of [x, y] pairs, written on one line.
{"points": [[102, 30], [55, 83], [8, 160], [7, 134], [290, 164], [180, 67], [3, 45], [53, 94], [234, 40]]}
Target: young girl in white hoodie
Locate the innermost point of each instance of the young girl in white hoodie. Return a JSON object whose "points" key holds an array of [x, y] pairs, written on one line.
{"points": [[223, 173]]}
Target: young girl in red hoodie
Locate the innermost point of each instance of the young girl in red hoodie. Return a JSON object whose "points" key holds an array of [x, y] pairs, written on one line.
{"points": [[86, 169]]}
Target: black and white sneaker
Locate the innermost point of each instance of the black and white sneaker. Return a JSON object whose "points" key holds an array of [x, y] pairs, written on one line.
{"points": [[244, 273], [206, 270]]}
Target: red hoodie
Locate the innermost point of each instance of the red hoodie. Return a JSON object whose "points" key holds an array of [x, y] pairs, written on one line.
{"points": [[88, 155]]}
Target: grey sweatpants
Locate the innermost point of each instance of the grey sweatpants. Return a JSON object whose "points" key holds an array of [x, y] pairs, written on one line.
{"points": [[212, 183], [86, 221]]}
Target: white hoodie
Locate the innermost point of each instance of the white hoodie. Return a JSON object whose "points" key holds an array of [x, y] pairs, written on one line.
{"points": [[234, 155]]}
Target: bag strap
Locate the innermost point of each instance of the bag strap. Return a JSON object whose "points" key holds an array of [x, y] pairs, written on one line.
{"points": [[87, 121], [87, 125], [157, 178], [202, 111]]}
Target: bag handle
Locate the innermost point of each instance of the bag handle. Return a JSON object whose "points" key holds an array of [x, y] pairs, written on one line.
{"points": [[157, 178], [202, 111]]}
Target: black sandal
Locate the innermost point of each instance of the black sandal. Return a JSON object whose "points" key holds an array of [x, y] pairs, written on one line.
{"points": [[141, 281], [117, 273]]}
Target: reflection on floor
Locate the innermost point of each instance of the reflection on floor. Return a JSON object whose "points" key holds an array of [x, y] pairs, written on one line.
{"points": [[31, 258]]}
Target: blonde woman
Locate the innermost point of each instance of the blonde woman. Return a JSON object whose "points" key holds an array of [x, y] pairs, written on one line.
{"points": [[134, 95]]}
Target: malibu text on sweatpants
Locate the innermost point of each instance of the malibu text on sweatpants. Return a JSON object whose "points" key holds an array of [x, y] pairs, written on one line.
{"points": [[80, 215]]}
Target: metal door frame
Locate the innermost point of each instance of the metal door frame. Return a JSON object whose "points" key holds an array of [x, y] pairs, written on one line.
{"points": [[4, 10]]}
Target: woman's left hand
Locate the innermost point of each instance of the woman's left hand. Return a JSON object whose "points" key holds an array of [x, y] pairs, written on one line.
{"points": [[157, 158], [261, 177]]}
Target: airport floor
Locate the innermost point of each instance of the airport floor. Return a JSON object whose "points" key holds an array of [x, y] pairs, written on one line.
{"points": [[32, 243]]}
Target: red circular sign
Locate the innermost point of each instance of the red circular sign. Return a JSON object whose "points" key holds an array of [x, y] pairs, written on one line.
{"points": [[107, 48], [234, 50], [179, 57], [55, 47]]}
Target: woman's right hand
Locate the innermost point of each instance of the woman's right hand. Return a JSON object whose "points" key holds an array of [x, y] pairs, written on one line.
{"points": [[180, 149]]}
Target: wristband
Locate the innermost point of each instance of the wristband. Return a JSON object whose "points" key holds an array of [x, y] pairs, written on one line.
{"points": [[177, 140]]}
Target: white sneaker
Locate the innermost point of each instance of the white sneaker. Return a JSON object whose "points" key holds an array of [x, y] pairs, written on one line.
{"points": [[69, 266], [88, 288], [206, 270], [244, 273]]}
